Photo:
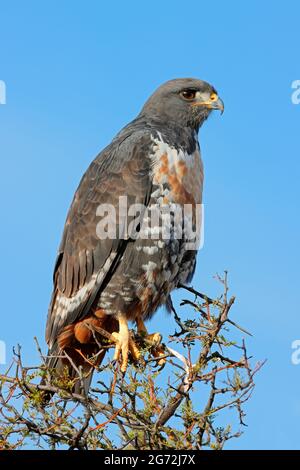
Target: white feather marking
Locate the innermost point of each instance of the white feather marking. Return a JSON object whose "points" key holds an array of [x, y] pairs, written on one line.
{"points": [[150, 250], [174, 155]]}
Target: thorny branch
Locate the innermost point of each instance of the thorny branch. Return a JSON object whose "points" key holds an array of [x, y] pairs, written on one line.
{"points": [[178, 407]]}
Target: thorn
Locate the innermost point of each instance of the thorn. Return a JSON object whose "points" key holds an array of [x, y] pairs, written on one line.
{"points": [[239, 327]]}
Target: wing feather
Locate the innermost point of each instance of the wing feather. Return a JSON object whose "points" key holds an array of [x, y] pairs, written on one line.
{"points": [[85, 263]]}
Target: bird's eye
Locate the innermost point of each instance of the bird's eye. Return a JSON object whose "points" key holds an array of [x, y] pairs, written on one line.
{"points": [[213, 97], [188, 94]]}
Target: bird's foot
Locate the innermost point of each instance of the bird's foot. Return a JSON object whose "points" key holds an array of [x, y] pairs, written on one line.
{"points": [[154, 341], [124, 345], [156, 348]]}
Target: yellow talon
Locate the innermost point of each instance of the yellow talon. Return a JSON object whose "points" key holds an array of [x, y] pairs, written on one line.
{"points": [[124, 344], [154, 340]]}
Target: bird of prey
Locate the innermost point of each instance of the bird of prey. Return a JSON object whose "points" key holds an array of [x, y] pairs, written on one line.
{"points": [[103, 282]]}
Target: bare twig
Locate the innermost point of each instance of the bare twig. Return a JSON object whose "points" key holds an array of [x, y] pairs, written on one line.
{"points": [[135, 411]]}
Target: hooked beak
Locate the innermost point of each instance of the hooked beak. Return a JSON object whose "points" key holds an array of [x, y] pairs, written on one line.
{"points": [[218, 104], [214, 103]]}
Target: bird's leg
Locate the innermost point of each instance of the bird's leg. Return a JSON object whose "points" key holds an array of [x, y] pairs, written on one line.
{"points": [[124, 343], [154, 340]]}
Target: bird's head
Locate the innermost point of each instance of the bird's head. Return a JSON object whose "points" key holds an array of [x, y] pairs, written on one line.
{"points": [[187, 101]]}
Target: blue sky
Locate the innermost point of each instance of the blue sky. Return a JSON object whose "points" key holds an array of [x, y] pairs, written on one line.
{"points": [[75, 73]]}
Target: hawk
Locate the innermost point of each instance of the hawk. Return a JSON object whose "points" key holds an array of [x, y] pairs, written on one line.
{"points": [[103, 282]]}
